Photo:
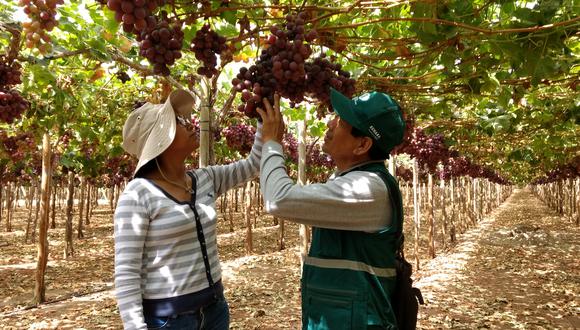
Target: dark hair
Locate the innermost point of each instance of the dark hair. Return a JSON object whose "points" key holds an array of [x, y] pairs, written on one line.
{"points": [[146, 169], [375, 152]]}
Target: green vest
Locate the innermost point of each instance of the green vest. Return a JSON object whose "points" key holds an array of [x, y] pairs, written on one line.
{"points": [[349, 276]]}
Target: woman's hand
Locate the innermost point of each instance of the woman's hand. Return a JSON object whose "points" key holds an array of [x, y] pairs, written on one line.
{"points": [[273, 126]]}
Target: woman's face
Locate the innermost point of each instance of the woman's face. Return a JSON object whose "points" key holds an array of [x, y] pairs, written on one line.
{"points": [[186, 136]]}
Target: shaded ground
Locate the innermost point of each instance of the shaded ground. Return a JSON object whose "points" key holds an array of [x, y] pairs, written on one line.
{"points": [[519, 269]]}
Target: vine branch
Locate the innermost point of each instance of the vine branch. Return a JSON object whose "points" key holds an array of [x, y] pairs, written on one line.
{"points": [[452, 23]]}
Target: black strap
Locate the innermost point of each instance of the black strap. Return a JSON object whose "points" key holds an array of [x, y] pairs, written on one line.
{"points": [[200, 235], [397, 207]]}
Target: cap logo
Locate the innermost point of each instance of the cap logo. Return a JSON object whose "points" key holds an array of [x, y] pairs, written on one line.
{"points": [[374, 132]]}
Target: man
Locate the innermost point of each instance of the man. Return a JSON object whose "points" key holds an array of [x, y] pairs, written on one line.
{"points": [[349, 274]]}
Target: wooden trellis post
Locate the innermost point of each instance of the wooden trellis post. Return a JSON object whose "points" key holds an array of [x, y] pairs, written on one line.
{"points": [[80, 233], [452, 217], [69, 247], [303, 229], [248, 218], [9, 206], [204, 123], [431, 215], [42, 257], [416, 210], [444, 218]]}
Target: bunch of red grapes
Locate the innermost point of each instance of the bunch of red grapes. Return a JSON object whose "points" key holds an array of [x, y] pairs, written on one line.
{"points": [[283, 68], [429, 150], [280, 65], [135, 15], [88, 149], [240, 137], [160, 39], [404, 174], [206, 45], [9, 72], [290, 145], [19, 145], [315, 156], [42, 14], [64, 140], [162, 44], [123, 167], [322, 73], [217, 135], [318, 158], [12, 105], [560, 173], [123, 76]]}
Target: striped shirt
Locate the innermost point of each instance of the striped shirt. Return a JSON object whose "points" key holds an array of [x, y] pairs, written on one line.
{"points": [[157, 253]]}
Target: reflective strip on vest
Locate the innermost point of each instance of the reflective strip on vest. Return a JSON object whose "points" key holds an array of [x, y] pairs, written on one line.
{"points": [[351, 265]]}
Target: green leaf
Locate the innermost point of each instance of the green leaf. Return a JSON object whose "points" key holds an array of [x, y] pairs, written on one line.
{"points": [[230, 17], [96, 14], [42, 75], [98, 49], [68, 27], [109, 23], [490, 85], [116, 150], [228, 30], [528, 17], [188, 33], [448, 58], [475, 85], [505, 97], [316, 128], [508, 7], [295, 114], [510, 49], [500, 123], [67, 160]]}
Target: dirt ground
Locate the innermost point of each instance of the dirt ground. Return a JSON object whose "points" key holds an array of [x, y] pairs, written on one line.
{"points": [[518, 269]]}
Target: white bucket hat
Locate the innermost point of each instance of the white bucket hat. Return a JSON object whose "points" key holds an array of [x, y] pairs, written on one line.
{"points": [[150, 129]]}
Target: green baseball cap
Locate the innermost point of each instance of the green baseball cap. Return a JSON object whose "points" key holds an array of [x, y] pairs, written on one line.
{"points": [[375, 114]]}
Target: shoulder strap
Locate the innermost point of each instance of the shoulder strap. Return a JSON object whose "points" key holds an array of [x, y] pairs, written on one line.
{"points": [[397, 203], [200, 234], [193, 188]]}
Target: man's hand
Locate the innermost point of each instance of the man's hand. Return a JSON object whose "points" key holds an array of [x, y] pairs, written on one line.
{"points": [[273, 126]]}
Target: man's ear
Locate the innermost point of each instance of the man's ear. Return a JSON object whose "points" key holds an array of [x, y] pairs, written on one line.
{"points": [[364, 146]]}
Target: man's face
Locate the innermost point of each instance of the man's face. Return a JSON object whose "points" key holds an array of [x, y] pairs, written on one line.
{"points": [[339, 142]]}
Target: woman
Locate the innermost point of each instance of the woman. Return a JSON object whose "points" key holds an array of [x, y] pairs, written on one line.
{"points": [[167, 271]]}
